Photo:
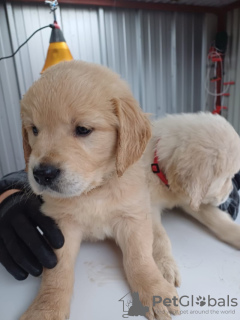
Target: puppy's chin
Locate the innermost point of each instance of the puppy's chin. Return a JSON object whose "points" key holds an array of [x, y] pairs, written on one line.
{"points": [[55, 192], [60, 189]]}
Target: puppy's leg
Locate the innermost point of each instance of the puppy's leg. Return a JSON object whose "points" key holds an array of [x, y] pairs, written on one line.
{"points": [[162, 251], [162, 254], [53, 299], [219, 222], [135, 237]]}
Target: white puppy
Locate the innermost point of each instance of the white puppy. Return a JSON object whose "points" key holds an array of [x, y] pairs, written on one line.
{"points": [[197, 155]]}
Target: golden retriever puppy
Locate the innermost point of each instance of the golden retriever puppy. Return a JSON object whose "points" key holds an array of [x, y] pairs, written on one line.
{"points": [[84, 135], [197, 155]]}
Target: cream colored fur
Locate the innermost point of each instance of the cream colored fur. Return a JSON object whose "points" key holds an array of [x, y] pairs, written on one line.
{"points": [[102, 190], [199, 154]]}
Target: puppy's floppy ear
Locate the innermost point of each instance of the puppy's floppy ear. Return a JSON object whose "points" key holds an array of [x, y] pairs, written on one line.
{"points": [[133, 133], [26, 147], [192, 176]]}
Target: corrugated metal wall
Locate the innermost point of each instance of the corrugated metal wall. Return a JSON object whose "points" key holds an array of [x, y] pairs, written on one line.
{"points": [[11, 155], [232, 67], [162, 55], [210, 3]]}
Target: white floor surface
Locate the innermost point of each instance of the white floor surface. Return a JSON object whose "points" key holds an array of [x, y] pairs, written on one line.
{"points": [[208, 268]]}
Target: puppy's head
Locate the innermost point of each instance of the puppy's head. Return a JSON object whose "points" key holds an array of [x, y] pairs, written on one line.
{"points": [[204, 160], [81, 125]]}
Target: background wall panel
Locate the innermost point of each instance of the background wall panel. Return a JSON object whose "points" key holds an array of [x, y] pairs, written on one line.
{"points": [[11, 157], [232, 66], [162, 55]]}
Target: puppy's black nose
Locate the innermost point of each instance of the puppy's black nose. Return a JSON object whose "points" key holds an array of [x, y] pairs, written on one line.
{"points": [[45, 174]]}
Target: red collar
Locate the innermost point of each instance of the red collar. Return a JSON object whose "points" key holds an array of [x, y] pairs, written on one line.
{"points": [[157, 171]]}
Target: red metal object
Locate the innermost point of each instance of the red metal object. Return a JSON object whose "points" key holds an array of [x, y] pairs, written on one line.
{"points": [[215, 79], [222, 22], [228, 83], [211, 50], [218, 109], [216, 59], [219, 84]]}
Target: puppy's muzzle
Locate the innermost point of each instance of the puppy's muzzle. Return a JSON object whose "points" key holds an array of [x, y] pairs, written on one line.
{"points": [[46, 174]]}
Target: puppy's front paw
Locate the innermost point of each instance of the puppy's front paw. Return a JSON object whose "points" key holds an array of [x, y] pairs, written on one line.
{"points": [[169, 270], [161, 299], [232, 235]]}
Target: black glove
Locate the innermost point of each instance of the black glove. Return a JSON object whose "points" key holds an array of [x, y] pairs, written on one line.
{"points": [[232, 204], [23, 249]]}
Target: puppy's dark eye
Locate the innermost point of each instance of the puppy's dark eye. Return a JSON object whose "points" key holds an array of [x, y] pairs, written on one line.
{"points": [[82, 131], [35, 130]]}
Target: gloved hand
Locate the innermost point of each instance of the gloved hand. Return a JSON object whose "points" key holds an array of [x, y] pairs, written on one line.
{"points": [[23, 248], [233, 202]]}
